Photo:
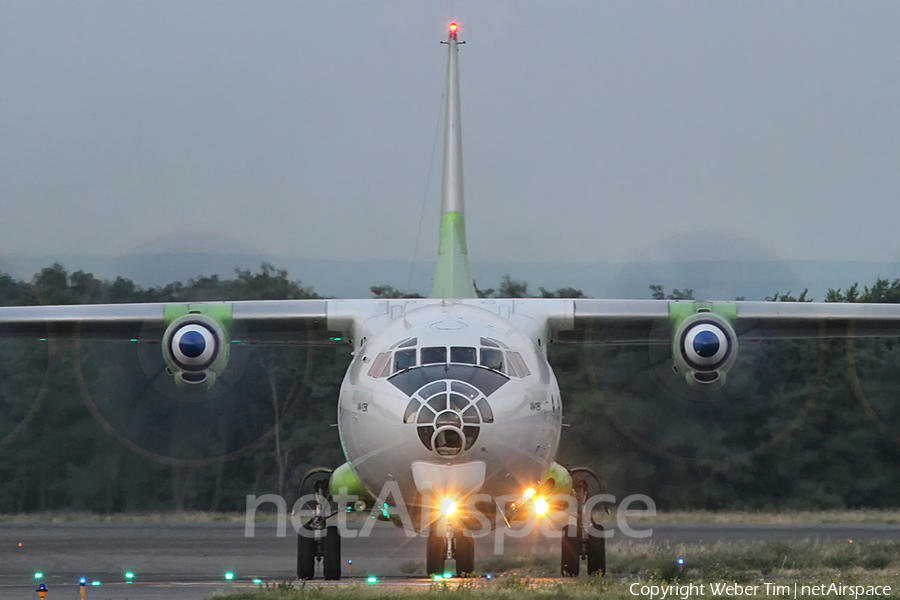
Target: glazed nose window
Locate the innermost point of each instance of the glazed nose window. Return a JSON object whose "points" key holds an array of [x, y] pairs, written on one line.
{"points": [[448, 442]]}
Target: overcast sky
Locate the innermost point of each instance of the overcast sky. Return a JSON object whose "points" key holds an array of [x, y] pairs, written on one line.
{"points": [[591, 130]]}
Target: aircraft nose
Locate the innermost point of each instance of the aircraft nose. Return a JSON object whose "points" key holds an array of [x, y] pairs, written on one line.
{"points": [[448, 416]]}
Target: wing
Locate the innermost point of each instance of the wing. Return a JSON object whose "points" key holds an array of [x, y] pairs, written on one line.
{"points": [[195, 336], [705, 335]]}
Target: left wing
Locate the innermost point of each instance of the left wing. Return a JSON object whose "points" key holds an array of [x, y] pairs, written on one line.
{"points": [[705, 335]]}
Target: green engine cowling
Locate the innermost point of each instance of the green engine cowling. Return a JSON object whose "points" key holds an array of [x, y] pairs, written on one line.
{"points": [[704, 342], [195, 343], [345, 482]]}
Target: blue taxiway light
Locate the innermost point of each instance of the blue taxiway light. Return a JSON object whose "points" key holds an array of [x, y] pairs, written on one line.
{"points": [[82, 581], [488, 576], [680, 561]]}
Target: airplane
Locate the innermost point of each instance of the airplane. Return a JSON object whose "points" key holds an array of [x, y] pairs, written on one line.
{"points": [[452, 395]]}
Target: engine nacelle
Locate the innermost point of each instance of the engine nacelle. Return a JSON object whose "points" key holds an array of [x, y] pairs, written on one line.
{"points": [[704, 348], [195, 349]]}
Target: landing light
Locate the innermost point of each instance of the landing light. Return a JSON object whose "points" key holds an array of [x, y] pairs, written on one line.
{"points": [[448, 506], [528, 493], [540, 505]]}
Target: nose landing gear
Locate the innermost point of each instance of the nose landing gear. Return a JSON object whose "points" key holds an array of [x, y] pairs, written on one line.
{"points": [[318, 541], [446, 542], [583, 540]]}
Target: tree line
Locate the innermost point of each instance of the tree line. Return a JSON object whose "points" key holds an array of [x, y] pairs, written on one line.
{"points": [[98, 426]]}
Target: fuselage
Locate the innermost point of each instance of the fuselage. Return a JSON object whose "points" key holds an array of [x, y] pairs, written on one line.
{"points": [[448, 399]]}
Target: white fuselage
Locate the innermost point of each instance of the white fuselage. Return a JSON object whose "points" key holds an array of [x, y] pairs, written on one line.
{"points": [[450, 399]]}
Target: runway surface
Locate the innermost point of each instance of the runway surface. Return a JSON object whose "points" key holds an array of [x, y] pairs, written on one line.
{"points": [[189, 560]]}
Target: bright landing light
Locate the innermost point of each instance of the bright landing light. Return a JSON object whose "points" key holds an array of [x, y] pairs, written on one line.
{"points": [[527, 494], [540, 505], [448, 506]]}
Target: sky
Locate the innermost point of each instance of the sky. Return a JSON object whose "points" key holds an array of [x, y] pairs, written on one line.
{"points": [[592, 131]]}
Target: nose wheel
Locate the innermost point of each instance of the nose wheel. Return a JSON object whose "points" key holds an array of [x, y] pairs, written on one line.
{"points": [[318, 542], [448, 542], [583, 540]]}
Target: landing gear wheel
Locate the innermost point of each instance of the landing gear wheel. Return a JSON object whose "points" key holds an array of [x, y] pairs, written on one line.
{"points": [[596, 553], [570, 552], [331, 560], [435, 553], [465, 554], [306, 554]]}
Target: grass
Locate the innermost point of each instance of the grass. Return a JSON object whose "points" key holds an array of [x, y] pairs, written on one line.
{"points": [[780, 562], [867, 516], [873, 516]]}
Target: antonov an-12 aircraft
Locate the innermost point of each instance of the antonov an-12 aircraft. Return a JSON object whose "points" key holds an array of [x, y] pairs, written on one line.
{"points": [[452, 396]]}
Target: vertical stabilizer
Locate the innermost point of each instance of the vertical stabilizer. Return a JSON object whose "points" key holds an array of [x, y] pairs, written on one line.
{"points": [[452, 277]]}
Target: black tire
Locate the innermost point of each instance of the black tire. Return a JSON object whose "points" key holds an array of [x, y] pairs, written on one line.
{"points": [[596, 553], [570, 550], [331, 561], [465, 554], [306, 554], [435, 553]]}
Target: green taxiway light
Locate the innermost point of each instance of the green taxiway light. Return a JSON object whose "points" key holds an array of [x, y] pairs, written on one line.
{"points": [[257, 581], [371, 579], [95, 583], [448, 575], [38, 575], [437, 578], [335, 339], [229, 576], [129, 575]]}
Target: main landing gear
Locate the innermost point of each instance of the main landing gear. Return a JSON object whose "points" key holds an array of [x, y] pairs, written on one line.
{"points": [[319, 542], [583, 540], [447, 541]]}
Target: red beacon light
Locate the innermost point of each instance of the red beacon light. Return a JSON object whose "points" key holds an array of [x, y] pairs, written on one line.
{"points": [[453, 28]]}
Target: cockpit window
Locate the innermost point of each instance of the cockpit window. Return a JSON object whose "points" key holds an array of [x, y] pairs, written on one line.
{"points": [[489, 342], [463, 355], [378, 364], [492, 359], [409, 343], [404, 359], [517, 364], [434, 354]]}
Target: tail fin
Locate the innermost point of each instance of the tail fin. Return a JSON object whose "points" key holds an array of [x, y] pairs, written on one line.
{"points": [[452, 276]]}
